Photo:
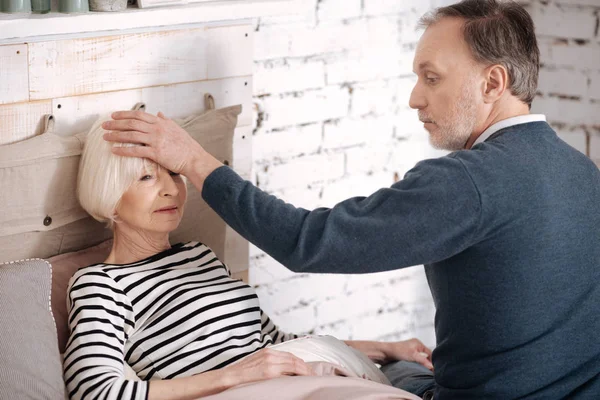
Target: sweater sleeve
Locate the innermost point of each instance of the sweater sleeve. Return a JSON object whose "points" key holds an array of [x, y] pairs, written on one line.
{"points": [[100, 321], [267, 327], [430, 215]]}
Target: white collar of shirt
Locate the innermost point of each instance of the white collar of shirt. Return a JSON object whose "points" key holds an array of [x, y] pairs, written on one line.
{"points": [[505, 123]]}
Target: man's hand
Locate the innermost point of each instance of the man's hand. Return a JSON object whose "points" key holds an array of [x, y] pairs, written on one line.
{"points": [[409, 350], [163, 141], [387, 352]]}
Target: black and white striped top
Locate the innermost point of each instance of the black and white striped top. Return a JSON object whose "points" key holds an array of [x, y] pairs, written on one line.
{"points": [[175, 314]]}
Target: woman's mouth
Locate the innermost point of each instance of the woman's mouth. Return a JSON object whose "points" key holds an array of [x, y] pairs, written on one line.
{"points": [[167, 210]]}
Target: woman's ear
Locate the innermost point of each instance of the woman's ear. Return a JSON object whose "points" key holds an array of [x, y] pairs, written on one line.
{"points": [[496, 83], [116, 219]]}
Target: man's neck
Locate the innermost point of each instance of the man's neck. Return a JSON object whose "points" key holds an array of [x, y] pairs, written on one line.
{"points": [[131, 245], [499, 112]]}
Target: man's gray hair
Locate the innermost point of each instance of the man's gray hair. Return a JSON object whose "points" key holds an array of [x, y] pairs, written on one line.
{"points": [[498, 32]]}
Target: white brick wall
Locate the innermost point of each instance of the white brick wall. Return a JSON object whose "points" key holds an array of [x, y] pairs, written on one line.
{"points": [[333, 85]]}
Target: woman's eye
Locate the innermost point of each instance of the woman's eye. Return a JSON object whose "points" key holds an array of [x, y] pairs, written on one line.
{"points": [[146, 177]]}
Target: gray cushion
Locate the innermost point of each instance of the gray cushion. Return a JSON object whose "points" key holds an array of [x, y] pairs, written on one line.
{"points": [[30, 366]]}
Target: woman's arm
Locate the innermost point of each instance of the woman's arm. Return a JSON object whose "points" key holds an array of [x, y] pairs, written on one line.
{"points": [[386, 352], [262, 365], [101, 319]]}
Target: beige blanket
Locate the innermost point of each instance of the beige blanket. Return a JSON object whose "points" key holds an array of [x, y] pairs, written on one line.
{"points": [[313, 388]]}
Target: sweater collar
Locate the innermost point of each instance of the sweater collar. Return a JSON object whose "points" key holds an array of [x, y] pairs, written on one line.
{"points": [[505, 123]]}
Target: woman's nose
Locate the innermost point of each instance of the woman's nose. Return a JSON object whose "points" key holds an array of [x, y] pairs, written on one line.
{"points": [[169, 187]]}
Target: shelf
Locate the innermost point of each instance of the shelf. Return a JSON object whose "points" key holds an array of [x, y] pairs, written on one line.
{"points": [[20, 28]]}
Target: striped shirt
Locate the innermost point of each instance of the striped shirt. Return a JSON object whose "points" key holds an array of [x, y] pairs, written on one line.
{"points": [[175, 314]]}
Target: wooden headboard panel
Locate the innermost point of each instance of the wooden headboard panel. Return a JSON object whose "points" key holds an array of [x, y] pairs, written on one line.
{"points": [[77, 79]]}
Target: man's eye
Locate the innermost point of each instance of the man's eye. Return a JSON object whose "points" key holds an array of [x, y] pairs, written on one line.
{"points": [[173, 173], [432, 79]]}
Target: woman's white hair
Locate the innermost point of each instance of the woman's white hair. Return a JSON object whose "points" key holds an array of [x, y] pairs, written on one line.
{"points": [[104, 177]]}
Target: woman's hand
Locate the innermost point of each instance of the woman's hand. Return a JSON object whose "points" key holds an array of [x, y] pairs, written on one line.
{"points": [[265, 364], [387, 352]]}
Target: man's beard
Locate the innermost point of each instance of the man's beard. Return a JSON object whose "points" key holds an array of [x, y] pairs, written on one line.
{"points": [[454, 129]]}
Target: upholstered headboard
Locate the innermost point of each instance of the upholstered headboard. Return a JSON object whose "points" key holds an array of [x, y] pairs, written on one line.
{"points": [[40, 215]]}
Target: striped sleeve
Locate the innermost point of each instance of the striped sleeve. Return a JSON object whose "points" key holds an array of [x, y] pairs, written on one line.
{"points": [[100, 320], [269, 328]]}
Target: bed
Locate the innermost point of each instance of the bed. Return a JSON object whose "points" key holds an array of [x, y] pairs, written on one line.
{"points": [[45, 236]]}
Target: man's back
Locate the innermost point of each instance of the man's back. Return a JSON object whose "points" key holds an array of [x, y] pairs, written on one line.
{"points": [[517, 311]]}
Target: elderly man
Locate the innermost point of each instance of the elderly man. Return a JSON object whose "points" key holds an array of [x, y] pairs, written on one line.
{"points": [[508, 225]]}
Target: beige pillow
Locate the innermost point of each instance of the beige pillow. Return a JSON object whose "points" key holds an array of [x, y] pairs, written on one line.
{"points": [[30, 366], [64, 267], [40, 215]]}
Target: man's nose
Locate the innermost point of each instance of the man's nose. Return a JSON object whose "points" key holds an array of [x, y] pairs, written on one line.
{"points": [[417, 100]]}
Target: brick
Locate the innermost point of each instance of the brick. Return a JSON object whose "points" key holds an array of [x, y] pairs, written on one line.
{"points": [[291, 142], [329, 37], [594, 89], [379, 7], [289, 77], [410, 32], [595, 147], [273, 41], [303, 171], [574, 56], [407, 153], [373, 99], [370, 64], [342, 307], [576, 138], [265, 270], [563, 22], [310, 106], [290, 293], [570, 112], [367, 159], [592, 3], [341, 330], [338, 9], [352, 132], [375, 325], [563, 82], [300, 320], [306, 15], [407, 124]]}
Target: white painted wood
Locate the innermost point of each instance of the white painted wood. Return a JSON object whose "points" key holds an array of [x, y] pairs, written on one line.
{"points": [[242, 151], [76, 114], [19, 121], [14, 82], [230, 51], [237, 249], [82, 66], [35, 27]]}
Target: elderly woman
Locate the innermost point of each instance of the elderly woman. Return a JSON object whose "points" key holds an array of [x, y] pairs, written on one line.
{"points": [[171, 312]]}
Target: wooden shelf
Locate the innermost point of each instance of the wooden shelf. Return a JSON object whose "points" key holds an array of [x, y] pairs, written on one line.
{"points": [[20, 28]]}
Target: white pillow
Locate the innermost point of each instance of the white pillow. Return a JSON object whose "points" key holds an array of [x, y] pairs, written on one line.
{"points": [[332, 350]]}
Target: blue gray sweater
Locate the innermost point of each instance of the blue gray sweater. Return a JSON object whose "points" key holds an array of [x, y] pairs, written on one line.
{"points": [[509, 232]]}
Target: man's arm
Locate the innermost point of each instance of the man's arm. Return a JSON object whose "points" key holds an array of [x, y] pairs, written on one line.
{"points": [[431, 215]]}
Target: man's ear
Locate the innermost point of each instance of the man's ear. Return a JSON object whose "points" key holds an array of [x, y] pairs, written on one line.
{"points": [[496, 83]]}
